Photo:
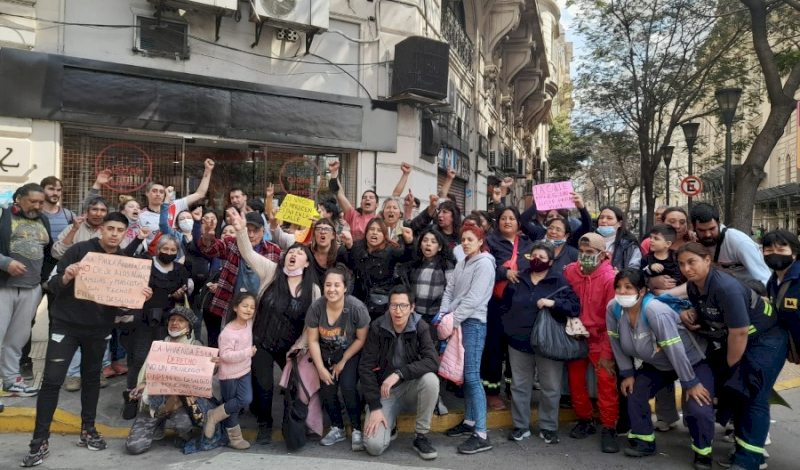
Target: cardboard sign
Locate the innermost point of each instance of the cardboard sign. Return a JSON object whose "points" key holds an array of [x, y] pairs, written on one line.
{"points": [[553, 196], [113, 280], [297, 210], [179, 369]]}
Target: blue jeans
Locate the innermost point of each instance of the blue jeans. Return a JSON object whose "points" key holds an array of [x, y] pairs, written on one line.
{"points": [[474, 338], [237, 395]]}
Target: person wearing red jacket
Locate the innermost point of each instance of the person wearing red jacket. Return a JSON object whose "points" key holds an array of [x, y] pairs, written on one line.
{"points": [[592, 279]]}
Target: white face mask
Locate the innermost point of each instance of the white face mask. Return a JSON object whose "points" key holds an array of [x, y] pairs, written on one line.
{"points": [[186, 225], [178, 334], [626, 301]]}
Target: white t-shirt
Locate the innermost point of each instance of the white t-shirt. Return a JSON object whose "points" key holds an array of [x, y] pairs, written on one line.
{"points": [[149, 219]]}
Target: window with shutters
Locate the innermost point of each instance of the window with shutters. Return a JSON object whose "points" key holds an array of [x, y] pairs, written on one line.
{"points": [[162, 38]]}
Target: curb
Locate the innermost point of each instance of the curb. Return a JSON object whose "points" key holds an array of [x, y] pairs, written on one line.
{"points": [[23, 420]]}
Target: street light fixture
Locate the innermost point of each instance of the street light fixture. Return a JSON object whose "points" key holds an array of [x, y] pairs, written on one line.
{"points": [[690, 134], [728, 99], [666, 152]]}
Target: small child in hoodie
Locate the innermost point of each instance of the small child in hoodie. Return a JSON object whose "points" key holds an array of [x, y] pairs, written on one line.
{"points": [[236, 351], [592, 279]]}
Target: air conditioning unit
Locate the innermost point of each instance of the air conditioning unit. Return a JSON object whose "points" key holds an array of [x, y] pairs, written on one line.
{"points": [[225, 7], [522, 167], [298, 15], [528, 188], [492, 162]]}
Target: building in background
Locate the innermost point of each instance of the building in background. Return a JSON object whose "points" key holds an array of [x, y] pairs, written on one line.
{"points": [[272, 90]]}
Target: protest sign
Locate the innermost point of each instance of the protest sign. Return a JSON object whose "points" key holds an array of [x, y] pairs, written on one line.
{"points": [[297, 210], [113, 280], [553, 196], [179, 369]]}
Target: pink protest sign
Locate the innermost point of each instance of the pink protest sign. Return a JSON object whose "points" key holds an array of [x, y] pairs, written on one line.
{"points": [[179, 369], [553, 196]]}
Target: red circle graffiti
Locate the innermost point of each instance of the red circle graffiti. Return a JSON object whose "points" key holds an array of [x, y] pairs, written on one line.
{"points": [[303, 159], [117, 184]]}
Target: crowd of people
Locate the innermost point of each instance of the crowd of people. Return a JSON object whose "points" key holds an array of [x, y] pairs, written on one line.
{"points": [[387, 301]]}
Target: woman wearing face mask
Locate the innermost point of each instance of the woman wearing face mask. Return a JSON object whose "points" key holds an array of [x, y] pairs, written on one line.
{"points": [[558, 233], [643, 328], [509, 248], [752, 353], [621, 244], [373, 260], [466, 296], [780, 253], [286, 291], [538, 288], [534, 222]]}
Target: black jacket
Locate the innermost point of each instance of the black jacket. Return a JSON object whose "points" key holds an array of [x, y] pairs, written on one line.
{"points": [[77, 313], [502, 250], [376, 358], [5, 245], [374, 272]]}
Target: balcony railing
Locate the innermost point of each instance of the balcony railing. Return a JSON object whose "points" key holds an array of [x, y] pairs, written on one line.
{"points": [[453, 32]]}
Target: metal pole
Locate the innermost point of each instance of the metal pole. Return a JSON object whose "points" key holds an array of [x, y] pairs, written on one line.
{"points": [[690, 173], [727, 182], [667, 185], [641, 200]]}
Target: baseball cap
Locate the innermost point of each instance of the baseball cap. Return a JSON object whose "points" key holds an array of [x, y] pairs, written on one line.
{"points": [[254, 218], [594, 240]]}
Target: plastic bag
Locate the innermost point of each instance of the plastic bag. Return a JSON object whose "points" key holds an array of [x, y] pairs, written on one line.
{"points": [[549, 338]]}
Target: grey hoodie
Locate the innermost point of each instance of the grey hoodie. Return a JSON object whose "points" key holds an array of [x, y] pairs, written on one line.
{"points": [[659, 343], [469, 289]]}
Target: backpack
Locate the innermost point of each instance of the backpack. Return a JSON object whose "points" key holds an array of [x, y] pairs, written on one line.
{"points": [[738, 271]]}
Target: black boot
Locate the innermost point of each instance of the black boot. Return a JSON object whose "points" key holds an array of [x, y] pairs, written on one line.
{"points": [[640, 448]]}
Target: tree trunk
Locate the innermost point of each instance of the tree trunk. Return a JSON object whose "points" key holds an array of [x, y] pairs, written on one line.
{"points": [[752, 172]]}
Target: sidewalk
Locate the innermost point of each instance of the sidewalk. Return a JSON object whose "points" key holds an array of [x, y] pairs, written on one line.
{"points": [[20, 413]]}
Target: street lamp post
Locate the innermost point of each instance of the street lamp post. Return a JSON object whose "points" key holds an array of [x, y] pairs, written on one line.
{"points": [[666, 152], [728, 99], [690, 134]]}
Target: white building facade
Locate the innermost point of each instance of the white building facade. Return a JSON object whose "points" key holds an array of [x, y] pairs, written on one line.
{"points": [[273, 90]]}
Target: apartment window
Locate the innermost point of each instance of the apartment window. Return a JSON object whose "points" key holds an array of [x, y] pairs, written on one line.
{"points": [[163, 38]]}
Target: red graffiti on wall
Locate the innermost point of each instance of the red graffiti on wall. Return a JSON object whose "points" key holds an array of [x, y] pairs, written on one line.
{"points": [[129, 165]]}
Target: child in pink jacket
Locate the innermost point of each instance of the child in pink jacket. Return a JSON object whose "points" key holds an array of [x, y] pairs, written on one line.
{"points": [[236, 351]]}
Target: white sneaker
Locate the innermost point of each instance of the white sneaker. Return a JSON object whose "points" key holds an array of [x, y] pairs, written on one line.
{"points": [[767, 442], [334, 435], [19, 388], [357, 441], [441, 409], [663, 426]]}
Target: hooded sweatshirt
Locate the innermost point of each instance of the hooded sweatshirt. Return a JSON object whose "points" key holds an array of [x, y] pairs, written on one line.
{"points": [[594, 291], [468, 292], [657, 341]]}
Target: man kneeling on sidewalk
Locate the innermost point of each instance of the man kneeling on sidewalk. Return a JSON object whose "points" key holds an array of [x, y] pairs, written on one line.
{"points": [[399, 359]]}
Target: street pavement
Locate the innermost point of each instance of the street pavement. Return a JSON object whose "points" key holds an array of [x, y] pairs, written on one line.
{"points": [[570, 454]]}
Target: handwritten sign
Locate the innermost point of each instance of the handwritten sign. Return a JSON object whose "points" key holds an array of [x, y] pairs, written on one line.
{"points": [[179, 369], [297, 210], [113, 280], [553, 196]]}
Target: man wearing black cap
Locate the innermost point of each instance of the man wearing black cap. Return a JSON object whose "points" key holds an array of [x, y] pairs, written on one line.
{"points": [[236, 275]]}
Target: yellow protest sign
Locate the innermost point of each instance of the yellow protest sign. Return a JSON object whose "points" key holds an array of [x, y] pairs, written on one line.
{"points": [[297, 210]]}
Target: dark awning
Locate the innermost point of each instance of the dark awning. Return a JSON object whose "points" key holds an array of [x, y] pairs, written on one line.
{"points": [[769, 194]]}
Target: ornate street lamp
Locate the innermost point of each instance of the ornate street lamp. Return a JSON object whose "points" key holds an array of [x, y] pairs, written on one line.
{"points": [[690, 134], [666, 152], [728, 99]]}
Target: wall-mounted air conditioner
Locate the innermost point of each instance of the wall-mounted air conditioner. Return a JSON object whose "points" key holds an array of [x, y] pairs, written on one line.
{"points": [[215, 6], [298, 15], [492, 162]]}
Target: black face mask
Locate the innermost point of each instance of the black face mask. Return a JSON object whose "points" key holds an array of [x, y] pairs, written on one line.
{"points": [[538, 265], [165, 258], [778, 262]]}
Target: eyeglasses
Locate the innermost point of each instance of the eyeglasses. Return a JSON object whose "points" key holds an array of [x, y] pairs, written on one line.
{"points": [[399, 306], [323, 229]]}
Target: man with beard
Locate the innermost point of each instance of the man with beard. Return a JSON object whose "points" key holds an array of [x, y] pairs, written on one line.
{"points": [[59, 217], [728, 247], [25, 264]]}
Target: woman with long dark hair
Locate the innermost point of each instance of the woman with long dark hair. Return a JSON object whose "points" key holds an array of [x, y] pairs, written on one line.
{"points": [[620, 242], [325, 246], [287, 289], [373, 260], [337, 329]]}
